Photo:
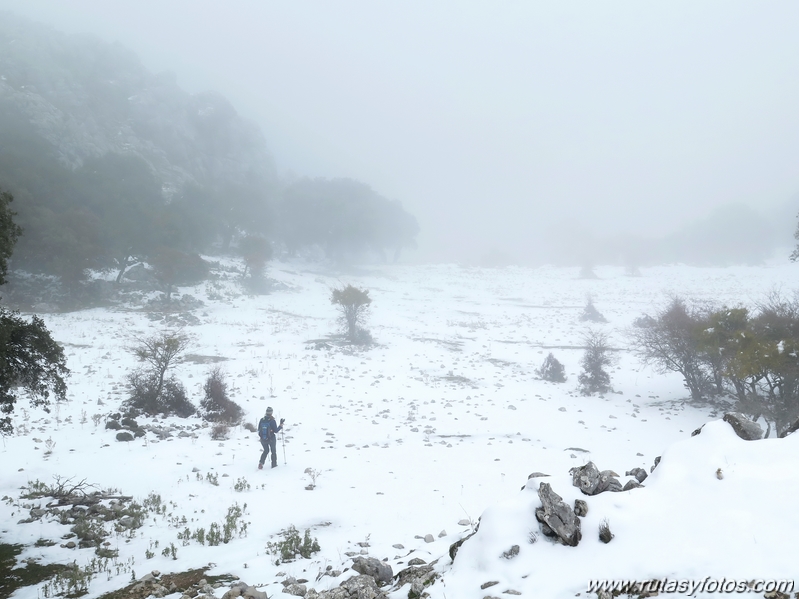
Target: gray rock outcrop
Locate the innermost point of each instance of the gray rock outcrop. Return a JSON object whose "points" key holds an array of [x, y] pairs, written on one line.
{"points": [[591, 481], [557, 519], [370, 566], [745, 428]]}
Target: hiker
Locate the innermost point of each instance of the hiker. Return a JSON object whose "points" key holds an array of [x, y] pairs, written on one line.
{"points": [[267, 431]]}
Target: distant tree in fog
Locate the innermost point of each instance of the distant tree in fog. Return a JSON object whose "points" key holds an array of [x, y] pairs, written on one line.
{"points": [[552, 370], [353, 303], [345, 218]]}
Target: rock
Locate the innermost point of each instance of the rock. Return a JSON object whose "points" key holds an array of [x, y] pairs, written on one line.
{"points": [[124, 436], [791, 429], [639, 474], [298, 590], [370, 566], [428, 538], [697, 431], [416, 561], [536, 475], [511, 553], [442, 534], [488, 584], [464, 522], [591, 481], [655, 465], [580, 507], [113, 425], [558, 517], [745, 428], [631, 484], [453, 549], [253, 593], [362, 587]]}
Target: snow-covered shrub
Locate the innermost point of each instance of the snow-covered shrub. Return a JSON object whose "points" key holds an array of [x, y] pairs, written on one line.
{"points": [[216, 406], [552, 370], [354, 304], [590, 313], [594, 378]]}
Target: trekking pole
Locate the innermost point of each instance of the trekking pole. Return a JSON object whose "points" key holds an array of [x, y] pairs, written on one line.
{"points": [[283, 441]]}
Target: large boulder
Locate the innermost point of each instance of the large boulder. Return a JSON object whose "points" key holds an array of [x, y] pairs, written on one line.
{"points": [[370, 566], [591, 481], [745, 428], [362, 587], [557, 519]]}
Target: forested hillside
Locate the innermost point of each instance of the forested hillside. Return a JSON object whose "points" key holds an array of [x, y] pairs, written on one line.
{"points": [[109, 163]]}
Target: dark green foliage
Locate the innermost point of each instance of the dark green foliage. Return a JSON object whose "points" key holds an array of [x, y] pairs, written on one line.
{"points": [[29, 360], [594, 378], [174, 267], [293, 546], [552, 370], [256, 251], [345, 218], [216, 406], [353, 303], [9, 232], [146, 397]]}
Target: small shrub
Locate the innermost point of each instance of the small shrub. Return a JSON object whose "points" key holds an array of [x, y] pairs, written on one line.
{"points": [[552, 370], [241, 485], [590, 313], [249, 426], [532, 537], [354, 304], [216, 406], [292, 546], [219, 431], [212, 478], [149, 397], [594, 378], [604, 531]]}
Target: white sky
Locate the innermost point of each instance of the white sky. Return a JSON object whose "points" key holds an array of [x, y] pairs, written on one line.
{"points": [[494, 121]]}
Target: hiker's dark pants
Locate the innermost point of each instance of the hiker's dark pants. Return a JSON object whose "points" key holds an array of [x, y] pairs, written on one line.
{"points": [[268, 444]]}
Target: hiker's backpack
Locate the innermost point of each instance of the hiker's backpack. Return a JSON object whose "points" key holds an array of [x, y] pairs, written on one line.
{"points": [[263, 428]]}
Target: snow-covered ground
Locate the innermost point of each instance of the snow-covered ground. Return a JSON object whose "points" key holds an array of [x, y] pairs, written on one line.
{"points": [[440, 423]]}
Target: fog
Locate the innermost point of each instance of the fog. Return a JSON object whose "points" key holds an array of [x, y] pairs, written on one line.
{"points": [[498, 124]]}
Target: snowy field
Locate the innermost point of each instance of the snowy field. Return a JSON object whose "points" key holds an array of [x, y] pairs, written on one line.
{"points": [[439, 424]]}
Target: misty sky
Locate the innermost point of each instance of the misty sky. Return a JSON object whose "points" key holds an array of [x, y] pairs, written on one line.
{"points": [[495, 122]]}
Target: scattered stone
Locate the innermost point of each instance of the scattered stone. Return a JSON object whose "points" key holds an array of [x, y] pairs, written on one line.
{"points": [[442, 534], [416, 561], [745, 428], [361, 587], [511, 592], [398, 546], [557, 518], [124, 436], [453, 549], [370, 566], [464, 522], [428, 538], [511, 553], [489, 584], [580, 507], [253, 593], [639, 474], [537, 475], [298, 590]]}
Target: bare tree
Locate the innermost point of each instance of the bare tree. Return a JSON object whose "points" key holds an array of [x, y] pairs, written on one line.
{"points": [[670, 343], [160, 352]]}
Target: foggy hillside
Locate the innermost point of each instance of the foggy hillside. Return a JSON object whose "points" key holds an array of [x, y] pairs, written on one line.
{"points": [[86, 98]]}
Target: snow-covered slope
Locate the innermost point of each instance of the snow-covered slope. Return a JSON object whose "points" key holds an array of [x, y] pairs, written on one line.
{"points": [[441, 423]]}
